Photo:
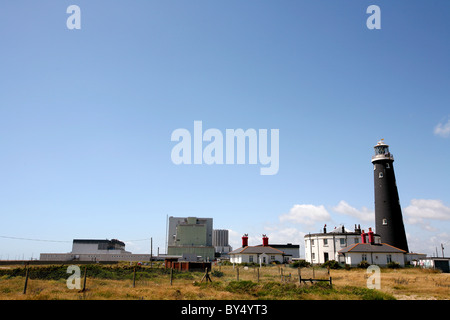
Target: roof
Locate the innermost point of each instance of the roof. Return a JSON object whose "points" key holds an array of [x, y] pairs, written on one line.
{"points": [[257, 249], [367, 247]]}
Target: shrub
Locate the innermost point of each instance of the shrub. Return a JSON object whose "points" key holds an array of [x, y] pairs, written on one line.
{"points": [[217, 273], [300, 264], [363, 264], [332, 264], [393, 265]]}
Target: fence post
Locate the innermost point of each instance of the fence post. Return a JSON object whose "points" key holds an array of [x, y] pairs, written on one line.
{"points": [[134, 277], [26, 281], [257, 274], [331, 285], [171, 275], [237, 274], [84, 281], [299, 276]]}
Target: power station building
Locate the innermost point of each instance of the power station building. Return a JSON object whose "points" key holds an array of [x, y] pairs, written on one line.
{"points": [[95, 250], [220, 242], [192, 237]]}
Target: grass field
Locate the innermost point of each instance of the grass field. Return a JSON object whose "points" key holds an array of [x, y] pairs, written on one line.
{"points": [[274, 282]]}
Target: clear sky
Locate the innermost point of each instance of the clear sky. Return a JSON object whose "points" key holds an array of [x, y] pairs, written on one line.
{"points": [[86, 117]]}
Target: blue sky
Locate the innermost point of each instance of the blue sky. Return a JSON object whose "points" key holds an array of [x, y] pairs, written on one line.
{"points": [[86, 117]]}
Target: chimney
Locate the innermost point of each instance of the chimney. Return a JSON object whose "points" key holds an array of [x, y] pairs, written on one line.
{"points": [[371, 237], [265, 241], [363, 237], [245, 240], [325, 229]]}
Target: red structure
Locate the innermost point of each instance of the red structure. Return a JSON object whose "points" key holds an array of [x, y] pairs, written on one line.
{"points": [[245, 240], [371, 237], [363, 237], [265, 241]]}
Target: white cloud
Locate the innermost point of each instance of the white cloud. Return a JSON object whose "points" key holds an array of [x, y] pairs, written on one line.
{"points": [[307, 214], [442, 129], [364, 214], [280, 234], [426, 209]]}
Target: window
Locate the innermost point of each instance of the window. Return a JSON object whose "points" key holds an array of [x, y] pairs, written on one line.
{"points": [[388, 258], [342, 241], [356, 240], [380, 175], [388, 166], [312, 242], [325, 242], [364, 257], [250, 258], [272, 258], [313, 256], [385, 222]]}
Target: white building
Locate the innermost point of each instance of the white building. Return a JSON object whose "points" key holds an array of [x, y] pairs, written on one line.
{"points": [[264, 253], [380, 254], [257, 254], [325, 246]]}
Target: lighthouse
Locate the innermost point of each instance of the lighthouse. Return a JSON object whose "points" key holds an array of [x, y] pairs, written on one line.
{"points": [[388, 213]]}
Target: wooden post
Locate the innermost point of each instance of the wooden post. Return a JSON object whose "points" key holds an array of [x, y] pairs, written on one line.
{"points": [[84, 281], [237, 274], [171, 275], [134, 277], [206, 276], [257, 275], [151, 252], [331, 285], [299, 276], [26, 281]]}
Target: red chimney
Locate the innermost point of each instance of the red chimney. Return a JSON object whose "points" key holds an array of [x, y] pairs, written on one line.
{"points": [[245, 240], [265, 241], [371, 237], [363, 237]]}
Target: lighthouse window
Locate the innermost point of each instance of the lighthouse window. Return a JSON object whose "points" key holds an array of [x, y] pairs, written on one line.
{"points": [[384, 222], [380, 175], [388, 166]]}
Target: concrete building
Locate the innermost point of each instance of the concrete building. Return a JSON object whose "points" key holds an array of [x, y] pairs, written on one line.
{"points": [[191, 235], [324, 246], [220, 242], [96, 250], [442, 264]]}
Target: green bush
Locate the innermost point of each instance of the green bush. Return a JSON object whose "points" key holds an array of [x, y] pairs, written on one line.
{"points": [[300, 264], [393, 265], [332, 264], [363, 264]]}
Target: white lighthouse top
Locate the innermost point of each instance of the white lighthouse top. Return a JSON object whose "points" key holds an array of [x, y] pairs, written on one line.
{"points": [[382, 152]]}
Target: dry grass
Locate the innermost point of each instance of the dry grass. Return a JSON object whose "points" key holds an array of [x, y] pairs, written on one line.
{"points": [[347, 284]]}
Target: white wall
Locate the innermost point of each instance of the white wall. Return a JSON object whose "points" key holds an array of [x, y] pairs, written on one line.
{"points": [[380, 259]]}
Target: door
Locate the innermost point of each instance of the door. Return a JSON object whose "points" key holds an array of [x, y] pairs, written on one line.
{"points": [[325, 256]]}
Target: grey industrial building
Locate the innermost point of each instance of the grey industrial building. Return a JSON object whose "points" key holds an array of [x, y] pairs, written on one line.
{"points": [[96, 251]]}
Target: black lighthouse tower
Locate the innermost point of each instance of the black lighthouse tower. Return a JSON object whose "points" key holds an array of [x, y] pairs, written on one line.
{"points": [[388, 213]]}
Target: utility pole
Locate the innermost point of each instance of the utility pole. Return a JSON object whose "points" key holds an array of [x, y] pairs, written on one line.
{"points": [[442, 247], [151, 252]]}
